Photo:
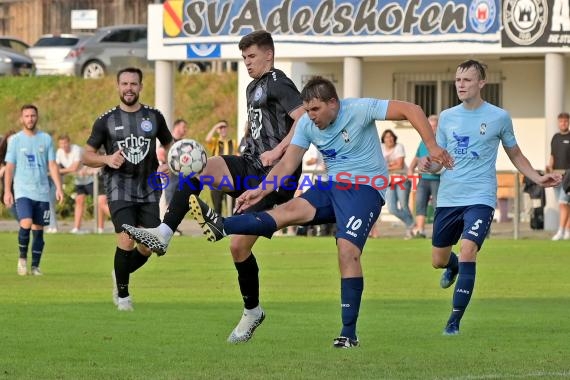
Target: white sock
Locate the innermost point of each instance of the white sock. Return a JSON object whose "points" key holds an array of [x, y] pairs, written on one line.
{"points": [[165, 231]]}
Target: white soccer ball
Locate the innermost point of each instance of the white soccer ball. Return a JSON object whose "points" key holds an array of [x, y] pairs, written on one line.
{"points": [[187, 156]]}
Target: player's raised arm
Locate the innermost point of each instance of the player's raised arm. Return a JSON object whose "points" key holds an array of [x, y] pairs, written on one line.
{"points": [[399, 110]]}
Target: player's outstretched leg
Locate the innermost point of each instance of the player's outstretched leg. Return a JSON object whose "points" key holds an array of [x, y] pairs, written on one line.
{"points": [[249, 321], [150, 237], [211, 223]]}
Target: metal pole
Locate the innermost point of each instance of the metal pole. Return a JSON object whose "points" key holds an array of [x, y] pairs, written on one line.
{"points": [[516, 218]]}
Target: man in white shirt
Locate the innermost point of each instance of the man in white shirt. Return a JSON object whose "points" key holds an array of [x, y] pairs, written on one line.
{"points": [[68, 157]]}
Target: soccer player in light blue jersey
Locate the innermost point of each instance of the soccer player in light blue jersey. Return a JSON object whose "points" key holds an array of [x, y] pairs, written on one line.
{"points": [[471, 132], [29, 157], [345, 133]]}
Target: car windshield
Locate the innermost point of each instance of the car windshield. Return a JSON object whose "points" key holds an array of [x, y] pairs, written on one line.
{"points": [[57, 41]]}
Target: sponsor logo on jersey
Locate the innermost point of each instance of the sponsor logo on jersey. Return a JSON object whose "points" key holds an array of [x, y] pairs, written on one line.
{"points": [[483, 129], [135, 148]]}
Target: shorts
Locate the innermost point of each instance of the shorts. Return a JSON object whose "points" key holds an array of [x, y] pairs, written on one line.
{"points": [[560, 195], [246, 176], [146, 215], [38, 211], [466, 222], [353, 210], [84, 189]]}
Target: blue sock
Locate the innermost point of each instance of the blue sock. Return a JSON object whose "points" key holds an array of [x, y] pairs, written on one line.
{"points": [[350, 296], [23, 241], [37, 247], [257, 224], [453, 263], [463, 290]]}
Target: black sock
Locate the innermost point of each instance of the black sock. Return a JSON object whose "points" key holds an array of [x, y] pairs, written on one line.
{"points": [[178, 206], [136, 260], [23, 241], [249, 281], [37, 247], [122, 271]]}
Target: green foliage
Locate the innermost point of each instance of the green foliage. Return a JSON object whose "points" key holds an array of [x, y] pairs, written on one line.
{"points": [[64, 326], [71, 105]]}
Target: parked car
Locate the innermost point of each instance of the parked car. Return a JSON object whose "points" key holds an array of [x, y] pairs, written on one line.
{"points": [[114, 47], [51, 50], [13, 60], [13, 44], [14, 63]]}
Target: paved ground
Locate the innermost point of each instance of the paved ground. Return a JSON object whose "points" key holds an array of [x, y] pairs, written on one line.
{"points": [[387, 228]]}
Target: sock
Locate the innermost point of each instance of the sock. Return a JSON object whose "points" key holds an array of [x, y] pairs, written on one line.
{"points": [[122, 271], [165, 231], [136, 260], [257, 224], [37, 247], [248, 280], [463, 290], [23, 241], [350, 296], [453, 263], [178, 206]]}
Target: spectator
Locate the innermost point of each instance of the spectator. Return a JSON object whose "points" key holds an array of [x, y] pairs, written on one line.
{"points": [[559, 162], [220, 145], [427, 185], [398, 192], [68, 157]]}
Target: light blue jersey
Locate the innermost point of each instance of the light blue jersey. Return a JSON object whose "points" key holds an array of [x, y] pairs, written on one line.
{"points": [[31, 155], [472, 138], [350, 145]]}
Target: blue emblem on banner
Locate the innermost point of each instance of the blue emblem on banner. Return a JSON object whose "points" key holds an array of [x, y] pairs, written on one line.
{"points": [[482, 15], [203, 51]]}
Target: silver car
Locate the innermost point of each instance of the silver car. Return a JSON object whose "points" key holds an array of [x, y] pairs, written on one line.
{"points": [[13, 60], [53, 53], [110, 49], [115, 47]]}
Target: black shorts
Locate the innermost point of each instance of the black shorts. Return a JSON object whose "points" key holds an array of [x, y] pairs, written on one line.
{"points": [[136, 214], [242, 168], [84, 189]]}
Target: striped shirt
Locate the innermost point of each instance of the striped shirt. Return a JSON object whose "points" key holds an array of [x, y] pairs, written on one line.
{"points": [[135, 133], [270, 99]]}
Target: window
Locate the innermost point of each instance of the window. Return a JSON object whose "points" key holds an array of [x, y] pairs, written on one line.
{"points": [[435, 92]]}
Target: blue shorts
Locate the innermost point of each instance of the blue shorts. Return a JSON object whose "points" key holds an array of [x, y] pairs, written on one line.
{"points": [[36, 210], [466, 222], [353, 210]]}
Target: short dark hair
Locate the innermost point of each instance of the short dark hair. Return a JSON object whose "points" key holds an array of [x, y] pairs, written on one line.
{"points": [[260, 38], [319, 88], [479, 66], [29, 107], [564, 115], [179, 121], [133, 70], [389, 132]]}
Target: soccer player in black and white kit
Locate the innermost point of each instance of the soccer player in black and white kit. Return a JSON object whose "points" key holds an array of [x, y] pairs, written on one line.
{"points": [[128, 134], [274, 105]]}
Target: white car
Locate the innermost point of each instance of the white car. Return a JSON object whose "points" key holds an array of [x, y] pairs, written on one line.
{"points": [[53, 53]]}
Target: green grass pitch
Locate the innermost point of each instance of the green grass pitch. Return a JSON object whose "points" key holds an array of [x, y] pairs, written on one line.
{"points": [[63, 325]]}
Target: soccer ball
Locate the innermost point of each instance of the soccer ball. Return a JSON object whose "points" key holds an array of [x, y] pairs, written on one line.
{"points": [[187, 156]]}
